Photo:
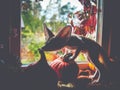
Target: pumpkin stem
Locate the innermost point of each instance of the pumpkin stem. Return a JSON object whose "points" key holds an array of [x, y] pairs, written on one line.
{"points": [[66, 57]]}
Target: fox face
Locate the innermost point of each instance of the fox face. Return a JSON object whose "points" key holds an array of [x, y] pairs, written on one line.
{"points": [[56, 42]]}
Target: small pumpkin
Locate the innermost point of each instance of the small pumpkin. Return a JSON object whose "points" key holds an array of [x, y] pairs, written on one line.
{"points": [[66, 70]]}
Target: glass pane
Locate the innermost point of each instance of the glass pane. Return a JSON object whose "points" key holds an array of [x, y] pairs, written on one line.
{"points": [[82, 15]]}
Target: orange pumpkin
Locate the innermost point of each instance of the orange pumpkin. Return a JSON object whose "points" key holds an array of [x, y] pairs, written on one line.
{"points": [[66, 70]]}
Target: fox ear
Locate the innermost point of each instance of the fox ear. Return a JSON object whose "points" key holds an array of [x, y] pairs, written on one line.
{"points": [[65, 32], [47, 32]]}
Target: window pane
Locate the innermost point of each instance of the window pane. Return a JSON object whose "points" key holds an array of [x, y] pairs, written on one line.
{"points": [[84, 16]]}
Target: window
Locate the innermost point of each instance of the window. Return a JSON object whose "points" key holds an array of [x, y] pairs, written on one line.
{"points": [[85, 16]]}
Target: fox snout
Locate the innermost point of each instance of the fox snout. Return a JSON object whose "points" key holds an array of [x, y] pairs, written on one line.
{"points": [[52, 47], [45, 48]]}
